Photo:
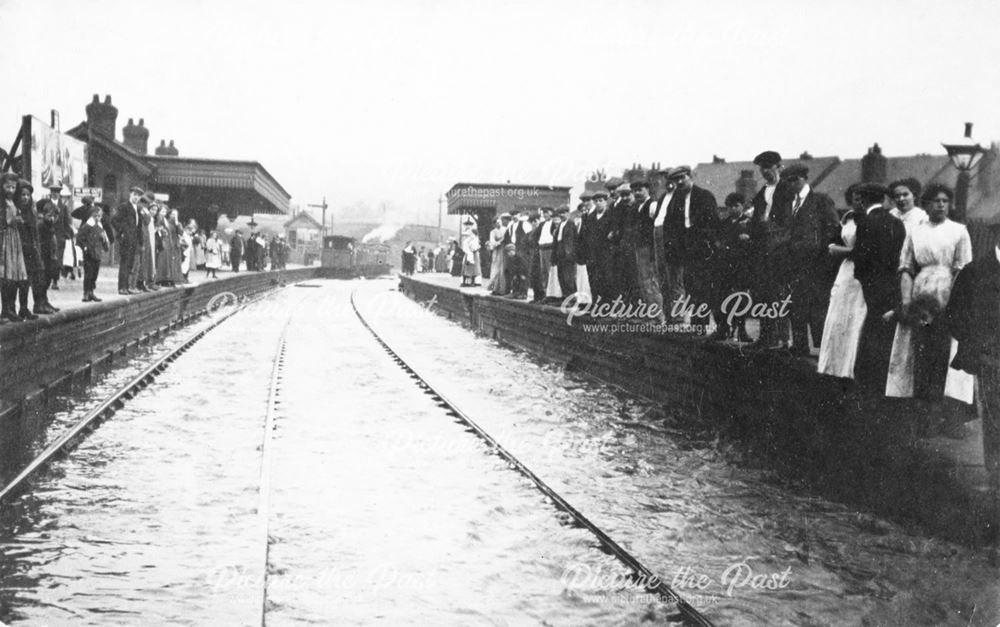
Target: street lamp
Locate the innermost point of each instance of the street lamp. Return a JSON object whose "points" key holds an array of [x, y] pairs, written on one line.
{"points": [[964, 154]]}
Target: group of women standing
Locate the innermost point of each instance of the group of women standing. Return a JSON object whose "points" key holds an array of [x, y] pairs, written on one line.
{"points": [[934, 250], [167, 249]]}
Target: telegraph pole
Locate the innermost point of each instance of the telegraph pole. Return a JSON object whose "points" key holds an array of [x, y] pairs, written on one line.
{"points": [[323, 207], [440, 205]]}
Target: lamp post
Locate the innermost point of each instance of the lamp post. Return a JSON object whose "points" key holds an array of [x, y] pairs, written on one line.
{"points": [[964, 155]]}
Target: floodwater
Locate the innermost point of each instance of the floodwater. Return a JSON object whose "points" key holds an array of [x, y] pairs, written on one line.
{"points": [[383, 509]]}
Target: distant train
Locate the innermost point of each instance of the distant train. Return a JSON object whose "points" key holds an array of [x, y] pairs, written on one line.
{"points": [[343, 258]]}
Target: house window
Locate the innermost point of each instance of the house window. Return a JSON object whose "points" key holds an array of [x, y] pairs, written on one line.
{"points": [[292, 237]]}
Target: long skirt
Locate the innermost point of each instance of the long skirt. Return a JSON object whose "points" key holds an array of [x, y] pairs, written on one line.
{"points": [[842, 329], [12, 256], [470, 266], [552, 289], [583, 282], [498, 278]]}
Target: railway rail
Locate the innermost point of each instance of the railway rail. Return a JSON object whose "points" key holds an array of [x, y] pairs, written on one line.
{"points": [[65, 442], [687, 613]]}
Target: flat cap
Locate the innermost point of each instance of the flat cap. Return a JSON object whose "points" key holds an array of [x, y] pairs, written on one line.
{"points": [[55, 188], [600, 194], [586, 195], [138, 190], [767, 159], [679, 171], [614, 182], [638, 185], [504, 215], [795, 171]]}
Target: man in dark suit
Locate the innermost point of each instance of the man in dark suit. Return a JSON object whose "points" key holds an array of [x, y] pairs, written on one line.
{"points": [[127, 234], [517, 247], [598, 231], [812, 226], [876, 262], [973, 318], [769, 231], [690, 229], [564, 252]]}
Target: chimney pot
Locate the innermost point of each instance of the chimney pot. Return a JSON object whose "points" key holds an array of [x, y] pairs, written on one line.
{"points": [[968, 130], [107, 99], [141, 122]]}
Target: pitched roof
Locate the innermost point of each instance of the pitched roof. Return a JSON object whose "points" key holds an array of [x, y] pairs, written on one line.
{"points": [[114, 146], [303, 220]]}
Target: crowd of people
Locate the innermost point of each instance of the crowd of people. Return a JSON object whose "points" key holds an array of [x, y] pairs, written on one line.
{"points": [[40, 243], [870, 287]]}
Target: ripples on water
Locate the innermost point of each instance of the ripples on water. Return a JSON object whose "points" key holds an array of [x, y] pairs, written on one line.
{"points": [[383, 509], [679, 506]]}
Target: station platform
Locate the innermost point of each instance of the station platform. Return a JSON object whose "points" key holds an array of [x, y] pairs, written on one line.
{"points": [[774, 405]]}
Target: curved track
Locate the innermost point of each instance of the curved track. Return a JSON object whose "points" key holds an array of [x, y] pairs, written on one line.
{"points": [[653, 583]]}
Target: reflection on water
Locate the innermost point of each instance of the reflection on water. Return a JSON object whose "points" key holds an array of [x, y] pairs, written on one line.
{"points": [[741, 546], [384, 509]]}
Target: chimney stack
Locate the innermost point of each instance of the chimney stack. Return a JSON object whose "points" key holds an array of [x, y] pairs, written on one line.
{"points": [[101, 118], [136, 137], [873, 166]]}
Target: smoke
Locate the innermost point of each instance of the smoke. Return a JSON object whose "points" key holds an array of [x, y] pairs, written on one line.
{"points": [[382, 233]]}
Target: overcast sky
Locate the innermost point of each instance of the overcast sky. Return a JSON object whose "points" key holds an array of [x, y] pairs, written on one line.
{"points": [[396, 101]]}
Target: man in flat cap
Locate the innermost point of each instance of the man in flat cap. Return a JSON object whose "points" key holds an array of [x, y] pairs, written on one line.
{"points": [[808, 268], [690, 227], [564, 252], [541, 261], [768, 231], [633, 220], [127, 227], [877, 248], [597, 234], [662, 191]]}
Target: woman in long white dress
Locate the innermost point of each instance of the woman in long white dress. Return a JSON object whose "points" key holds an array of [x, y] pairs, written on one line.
{"points": [[932, 255], [470, 263], [498, 278], [846, 314], [905, 193]]}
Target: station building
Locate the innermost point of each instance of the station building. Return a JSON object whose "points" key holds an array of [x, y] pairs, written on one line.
{"points": [[198, 188]]}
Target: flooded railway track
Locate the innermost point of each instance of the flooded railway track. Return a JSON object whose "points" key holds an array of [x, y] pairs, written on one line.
{"points": [[652, 583]]}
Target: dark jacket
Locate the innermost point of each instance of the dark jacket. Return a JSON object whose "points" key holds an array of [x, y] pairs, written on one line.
{"points": [[694, 244], [127, 225], [564, 250], [92, 240], [876, 258], [811, 230], [973, 314], [639, 225], [30, 238]]}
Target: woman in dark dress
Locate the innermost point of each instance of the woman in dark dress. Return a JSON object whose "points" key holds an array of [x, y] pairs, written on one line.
{"points": [[32, 257]]}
